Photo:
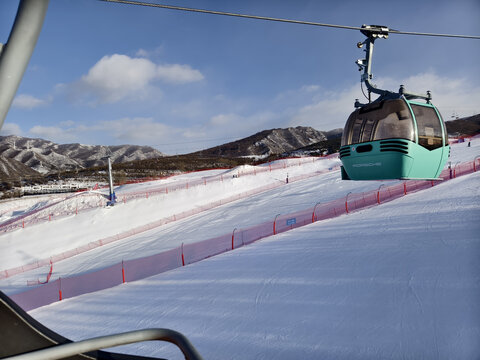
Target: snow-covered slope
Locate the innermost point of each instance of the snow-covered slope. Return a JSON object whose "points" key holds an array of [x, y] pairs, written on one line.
{"points": [[86, 227], [399, 280], [396, 281]]}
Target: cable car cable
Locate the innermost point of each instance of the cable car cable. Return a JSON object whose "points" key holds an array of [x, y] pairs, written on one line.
{"points": [[213, 12]]}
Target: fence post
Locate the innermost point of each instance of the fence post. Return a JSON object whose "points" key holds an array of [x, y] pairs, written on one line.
{"points": [[59, 289], [378, 193], [49, 272], [455, 169], [346, 201], [404, 188], [183, 257], [274, 224], [123, 273], [313, 214], [474, 163], [233, 237]]}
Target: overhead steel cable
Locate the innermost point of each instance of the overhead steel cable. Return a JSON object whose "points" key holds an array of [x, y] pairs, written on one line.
{"points": [[476, 37], [171, 7], [301, 22]]}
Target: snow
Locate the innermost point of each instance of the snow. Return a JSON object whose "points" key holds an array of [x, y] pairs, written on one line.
{"points": [[103, 222], [399, 280]]}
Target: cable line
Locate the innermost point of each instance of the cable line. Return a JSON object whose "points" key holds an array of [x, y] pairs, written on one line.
{"points": [[172, 7]]}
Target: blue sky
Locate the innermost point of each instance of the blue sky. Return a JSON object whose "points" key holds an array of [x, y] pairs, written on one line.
{"points": [[113, 74]]}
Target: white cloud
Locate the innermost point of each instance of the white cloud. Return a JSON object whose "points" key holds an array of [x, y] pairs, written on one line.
{"points": [[232, 123], [158, 51], [310, 88], [118, 77], [230, 126], [178, 74], [450, 95], [24, 101], [136, 130], [53, 133], [115, 77], [11, 129], [208, 121], [190, 108], [327, 110], [190, 134], [225, 119], [67, 123], [142, 53]]}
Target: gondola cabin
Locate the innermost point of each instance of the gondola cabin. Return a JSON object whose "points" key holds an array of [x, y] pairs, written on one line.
{"points": [[394, 139], [396, 136]]}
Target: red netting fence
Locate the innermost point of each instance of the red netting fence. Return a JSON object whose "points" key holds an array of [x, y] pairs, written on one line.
{"points": [[131, 270], [152, 225]]}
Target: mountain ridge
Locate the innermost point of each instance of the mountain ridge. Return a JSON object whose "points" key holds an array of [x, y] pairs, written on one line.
{"points": [[267, 142], [45, 156]]}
